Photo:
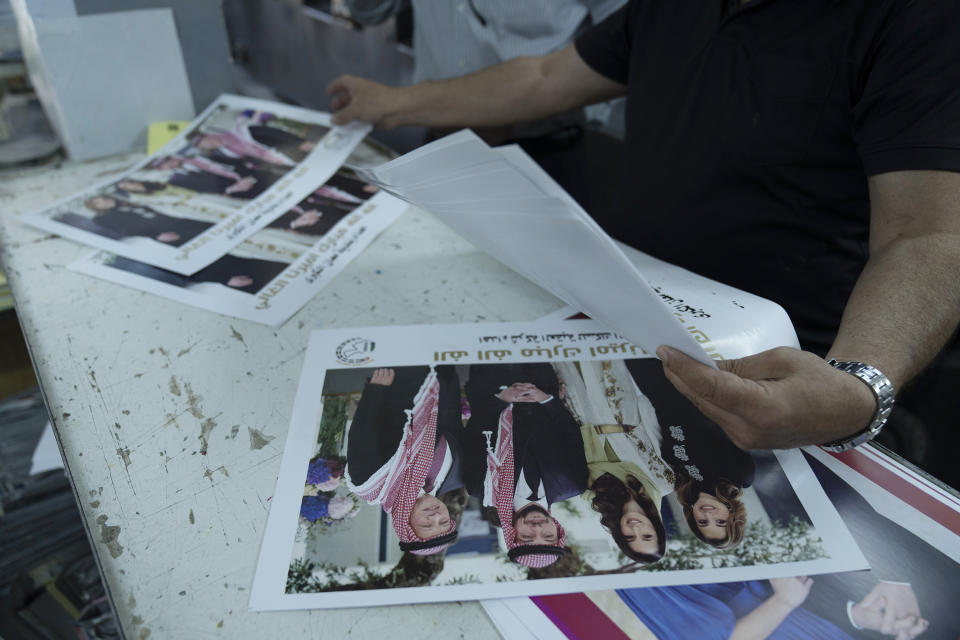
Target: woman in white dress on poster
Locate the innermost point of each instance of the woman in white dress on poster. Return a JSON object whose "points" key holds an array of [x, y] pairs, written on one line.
{"points": [[621, 437]]}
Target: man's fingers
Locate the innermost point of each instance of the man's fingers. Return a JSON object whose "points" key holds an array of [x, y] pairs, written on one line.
{"points": [[699, 379], [382, 377], [736, 428], [909, 627], [919, 627], [340, 92], [888, 619], [339, 101], [343, 115], [703, 403], [873, 600], [725, 390], [775, 363], [337, 85], [756, 400]]}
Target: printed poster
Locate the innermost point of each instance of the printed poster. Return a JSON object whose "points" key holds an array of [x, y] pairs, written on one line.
{"points": [[276, 271], [234, 170], [456, 462], [906, 525]]}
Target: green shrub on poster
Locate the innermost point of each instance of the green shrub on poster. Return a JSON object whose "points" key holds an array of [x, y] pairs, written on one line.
{"points": [[333, 426], [763, 544]]}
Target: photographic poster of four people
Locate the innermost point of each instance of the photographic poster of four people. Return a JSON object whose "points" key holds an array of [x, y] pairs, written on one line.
{"points": [[309, 219], [523, 437], [237, 165]]}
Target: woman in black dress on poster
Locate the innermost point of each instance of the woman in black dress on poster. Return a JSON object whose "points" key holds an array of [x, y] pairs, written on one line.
{"points": [[249, 275], [711, 472], [118, 219]]}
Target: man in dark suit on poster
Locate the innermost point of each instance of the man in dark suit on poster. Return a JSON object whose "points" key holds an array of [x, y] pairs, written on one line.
{"points": [[221, 174], [397, 459], [236, 272], [910, 581], [548, 463], [117, 219]]}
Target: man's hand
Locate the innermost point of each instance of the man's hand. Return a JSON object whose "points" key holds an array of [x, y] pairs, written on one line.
{"points": [[383, 377], [776, 399], [353, 98], [241, 185], [898, 603], [519, 90], [306, 219], [522, 392], [240, 281], [168, 236], [533, 394], [872, 618]]}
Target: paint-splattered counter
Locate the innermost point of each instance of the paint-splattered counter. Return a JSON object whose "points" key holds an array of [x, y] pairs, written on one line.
{"points": [[172, 419]]}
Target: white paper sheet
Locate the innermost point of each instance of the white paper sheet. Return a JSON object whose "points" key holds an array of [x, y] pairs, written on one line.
{"points": [[47, 454], [521, 619], [500, 200], [423, 163], [726, 321], [288, 274], [583, 272]]}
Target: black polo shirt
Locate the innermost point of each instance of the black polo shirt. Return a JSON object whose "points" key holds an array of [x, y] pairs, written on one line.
{"points": [[752, 129]]}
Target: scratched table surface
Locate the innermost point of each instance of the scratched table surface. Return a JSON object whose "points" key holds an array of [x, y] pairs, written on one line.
{"points": [[172, 419]]}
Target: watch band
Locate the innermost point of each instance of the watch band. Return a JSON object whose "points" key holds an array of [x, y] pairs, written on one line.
{"points": [[882, 391]]}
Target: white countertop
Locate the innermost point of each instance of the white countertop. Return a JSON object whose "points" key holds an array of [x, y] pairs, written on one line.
{"points": [[172, 419]]}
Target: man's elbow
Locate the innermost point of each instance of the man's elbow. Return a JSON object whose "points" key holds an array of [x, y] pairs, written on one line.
{"points": [[570, 83]]}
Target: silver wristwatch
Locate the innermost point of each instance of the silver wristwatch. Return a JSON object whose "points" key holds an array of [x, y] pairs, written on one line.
{"points": [[882, 391]]}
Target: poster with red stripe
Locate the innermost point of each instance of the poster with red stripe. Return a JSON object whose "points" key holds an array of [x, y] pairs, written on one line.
{"points": [[907, 525]]}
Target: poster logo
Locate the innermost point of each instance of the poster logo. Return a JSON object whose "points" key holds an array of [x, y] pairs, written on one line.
{"points": [[355, 351]]}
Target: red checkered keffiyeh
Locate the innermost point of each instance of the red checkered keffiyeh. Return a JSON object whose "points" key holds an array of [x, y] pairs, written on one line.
{"points": [[498, 489], [205, 164], [397, 484], [243, 145]]}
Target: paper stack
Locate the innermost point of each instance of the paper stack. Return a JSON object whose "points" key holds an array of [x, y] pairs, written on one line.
{"points": [[247, 211], [505, 204]]}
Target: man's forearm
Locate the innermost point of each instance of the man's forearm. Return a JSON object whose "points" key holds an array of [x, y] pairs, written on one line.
{"points": [[499, 95], [904, 307], [902, 310], [762, 621], [519, 90]]}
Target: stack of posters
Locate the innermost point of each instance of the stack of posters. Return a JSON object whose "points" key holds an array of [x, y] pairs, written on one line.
{"points": [[249, 211]]}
